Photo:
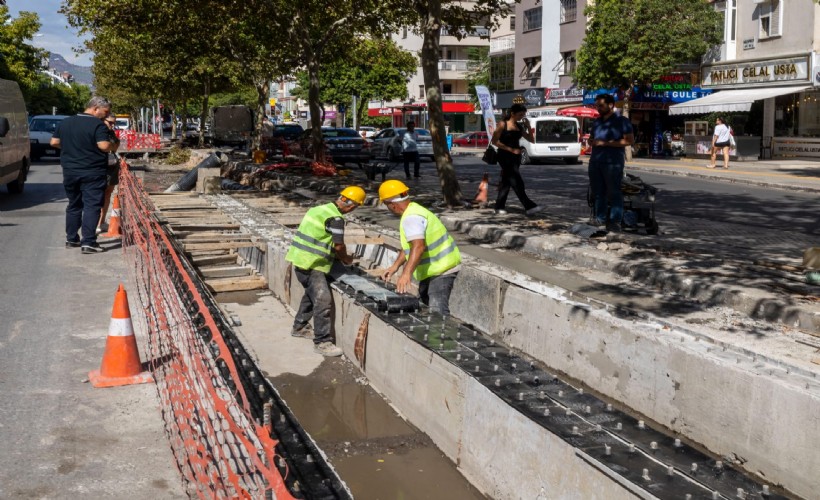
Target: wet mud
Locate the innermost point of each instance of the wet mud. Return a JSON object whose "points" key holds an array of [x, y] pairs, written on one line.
{"points": [[376, 452]]}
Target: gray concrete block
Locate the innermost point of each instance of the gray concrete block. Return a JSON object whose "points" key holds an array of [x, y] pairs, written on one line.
{"points": [[476, 297], [509, 456]]}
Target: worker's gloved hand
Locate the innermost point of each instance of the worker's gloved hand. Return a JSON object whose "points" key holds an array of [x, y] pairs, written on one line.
{"points": [[403, 284]]}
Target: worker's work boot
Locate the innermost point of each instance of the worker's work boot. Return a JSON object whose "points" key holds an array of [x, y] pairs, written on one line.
{"points": [[327, 349], [306, 332]]}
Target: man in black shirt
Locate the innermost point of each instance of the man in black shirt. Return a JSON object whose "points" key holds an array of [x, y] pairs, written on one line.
{"points": [[85, 144]]}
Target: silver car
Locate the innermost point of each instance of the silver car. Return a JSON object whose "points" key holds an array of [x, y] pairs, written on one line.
{"points": [[387, 144]]}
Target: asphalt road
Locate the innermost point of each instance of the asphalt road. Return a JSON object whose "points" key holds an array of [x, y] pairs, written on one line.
{"points": [[758, 208], [60, 437]]}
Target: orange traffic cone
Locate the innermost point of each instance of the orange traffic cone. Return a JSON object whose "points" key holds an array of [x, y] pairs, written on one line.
{"points": [[114, 223], [481, 195], [121, 361]]}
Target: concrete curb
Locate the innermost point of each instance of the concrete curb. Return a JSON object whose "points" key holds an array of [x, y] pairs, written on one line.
{"points": [[720, 178], [572, 250]]}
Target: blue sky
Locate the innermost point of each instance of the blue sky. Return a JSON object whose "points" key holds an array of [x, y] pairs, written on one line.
{"points": [[57, 36]]}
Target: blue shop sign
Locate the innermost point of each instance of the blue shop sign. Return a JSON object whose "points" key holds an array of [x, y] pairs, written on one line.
{"points": [[669, 96], [590, 95]]}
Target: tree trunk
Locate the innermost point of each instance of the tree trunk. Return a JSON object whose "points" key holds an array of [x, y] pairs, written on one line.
{"points": [[262, 92], [627, 108], [360, 111], [184, 117], [315, 108], [173, 122], [203, 113], [429, 64]]}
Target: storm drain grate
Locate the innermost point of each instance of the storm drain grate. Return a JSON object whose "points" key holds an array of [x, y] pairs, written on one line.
{"points": [[652, 460]]}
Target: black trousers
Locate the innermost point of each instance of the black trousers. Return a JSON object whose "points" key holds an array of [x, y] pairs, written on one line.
{"points": [[511, 178]]}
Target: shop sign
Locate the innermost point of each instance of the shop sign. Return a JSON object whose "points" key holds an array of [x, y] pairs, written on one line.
{"points": [[571, 94], [753, 73], [330, 115], [590, 95], [382, 112], [533, 97], [670, 96], [796, 146], [673, 82]]}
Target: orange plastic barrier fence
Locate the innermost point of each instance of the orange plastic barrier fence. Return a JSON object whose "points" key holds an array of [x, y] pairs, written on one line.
{"points": [[224, 445], [131, 140]]}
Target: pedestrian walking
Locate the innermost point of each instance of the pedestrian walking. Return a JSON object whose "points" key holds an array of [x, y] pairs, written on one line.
{"points": [[721, 140], [317, 242], [112, 172], [85, 143], [430, 254], [507, 138], [609, 136], [410, 150]]}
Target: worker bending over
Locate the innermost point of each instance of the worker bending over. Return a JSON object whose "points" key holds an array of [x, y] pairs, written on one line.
{"points": [[320, 239], [429, 252]]}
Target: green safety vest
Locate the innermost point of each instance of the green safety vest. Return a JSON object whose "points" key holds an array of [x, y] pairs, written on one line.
{"points": [[312, 245], [441, 253]]}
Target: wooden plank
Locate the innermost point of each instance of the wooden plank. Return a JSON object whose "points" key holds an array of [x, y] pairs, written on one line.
{"points": [[365, 240], [210, 253], [190, 247], [210, 238], [235, 284], [205, 227], [211, 260], [225, 271]]}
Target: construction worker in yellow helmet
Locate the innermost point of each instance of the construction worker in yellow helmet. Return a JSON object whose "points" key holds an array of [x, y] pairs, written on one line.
{"points": [[318, 241], [429, 253]]}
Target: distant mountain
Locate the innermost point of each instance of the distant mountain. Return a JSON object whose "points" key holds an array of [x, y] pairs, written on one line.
{"points": [[81, 74]]}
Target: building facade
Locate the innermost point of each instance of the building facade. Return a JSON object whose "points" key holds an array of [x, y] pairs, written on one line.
{"points": [[766, 76]]}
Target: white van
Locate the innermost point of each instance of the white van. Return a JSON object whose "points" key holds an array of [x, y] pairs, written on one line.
{"points": [[14, 143], [40, 130], [555, 137]]}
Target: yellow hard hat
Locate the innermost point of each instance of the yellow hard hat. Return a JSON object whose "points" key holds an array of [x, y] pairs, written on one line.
{"points": [[354, 194], [391, 189]]}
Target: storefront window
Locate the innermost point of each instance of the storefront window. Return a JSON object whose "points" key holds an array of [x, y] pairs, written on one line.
{"points": [[808, 114], [786, 115], [502, 70]]}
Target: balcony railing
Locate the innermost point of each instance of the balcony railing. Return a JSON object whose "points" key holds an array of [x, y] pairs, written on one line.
{"points": [[453, 65], [502, 43], [475, 31]]}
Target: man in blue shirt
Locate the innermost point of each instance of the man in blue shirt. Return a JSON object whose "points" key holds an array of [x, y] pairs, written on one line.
{"points": [[609, 136], [85, 143]]}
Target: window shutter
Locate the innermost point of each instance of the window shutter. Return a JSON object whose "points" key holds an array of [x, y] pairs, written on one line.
{"points": [[776, 17]]}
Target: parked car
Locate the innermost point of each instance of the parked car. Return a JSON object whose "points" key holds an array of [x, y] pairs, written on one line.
{"points": [[367, 132], [14, 141], [288, 131], [555, 137], [387, 144], [472, 140], [344, 145], [123, 122], [41, 128]]}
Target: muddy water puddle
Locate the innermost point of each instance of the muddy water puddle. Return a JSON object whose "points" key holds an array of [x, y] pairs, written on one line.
{"points": [[376, 452]]}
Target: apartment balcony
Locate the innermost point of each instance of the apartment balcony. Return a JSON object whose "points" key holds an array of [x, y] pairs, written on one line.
{"points": [[502, 44], [475, 36], [456, 97], [453, 69]]}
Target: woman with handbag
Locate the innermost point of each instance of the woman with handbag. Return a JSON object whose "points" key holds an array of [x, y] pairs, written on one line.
{"points": [[721, 140], [506, 138]]}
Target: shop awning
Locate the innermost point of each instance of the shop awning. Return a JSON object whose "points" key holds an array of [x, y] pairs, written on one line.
{"points": [[730, 100]]}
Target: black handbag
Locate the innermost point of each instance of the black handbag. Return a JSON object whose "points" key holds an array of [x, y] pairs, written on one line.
{"points": [[490, 156]]}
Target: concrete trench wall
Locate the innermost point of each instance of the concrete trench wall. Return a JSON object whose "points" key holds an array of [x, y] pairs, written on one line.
{"points": [[768, 418]]}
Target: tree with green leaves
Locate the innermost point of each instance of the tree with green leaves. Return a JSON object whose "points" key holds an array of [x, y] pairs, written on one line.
{"points": [[460, 19], [19, 60], [373, 69], [630, 42], [319, 32], [478, 70]]}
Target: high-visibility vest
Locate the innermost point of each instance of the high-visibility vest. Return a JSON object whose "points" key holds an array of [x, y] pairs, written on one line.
{"points": [[312, 245], [441, 253]]}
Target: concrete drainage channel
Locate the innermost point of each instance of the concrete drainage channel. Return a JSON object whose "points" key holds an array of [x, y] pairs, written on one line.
{"points": [[518, 429]]}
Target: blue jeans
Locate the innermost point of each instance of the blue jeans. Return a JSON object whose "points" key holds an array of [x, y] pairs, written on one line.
{"points": [[316, 303], [435, 292], [85, 195], [414, 157], [605, 181]]}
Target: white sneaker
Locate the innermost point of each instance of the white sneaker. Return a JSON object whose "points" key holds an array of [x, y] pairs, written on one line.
{"points": [[500, 212], [534, 210], [327, 349]]}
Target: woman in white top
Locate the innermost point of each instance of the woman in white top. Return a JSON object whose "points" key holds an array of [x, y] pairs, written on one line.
{"points": [[721, 140]]}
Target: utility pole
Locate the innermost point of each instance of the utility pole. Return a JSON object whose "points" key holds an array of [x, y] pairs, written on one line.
{"points": [[355, 112]]}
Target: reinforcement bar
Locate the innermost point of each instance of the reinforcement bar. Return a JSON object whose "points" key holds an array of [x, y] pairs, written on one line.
{"points": [[231, 434]]}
